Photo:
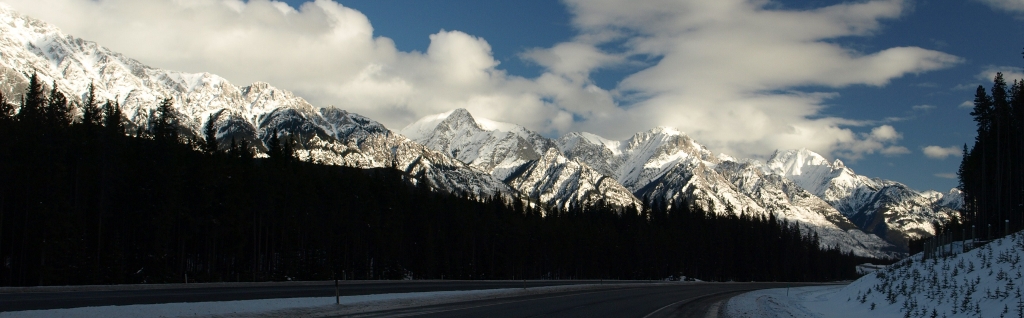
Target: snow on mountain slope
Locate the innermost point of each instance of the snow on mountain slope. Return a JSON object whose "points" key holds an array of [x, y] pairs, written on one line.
{"points": [[664, 165], [524, 159], [886, 208], [493, 150], [791, 202], [560, 182], [661, 165], [253, 113]]}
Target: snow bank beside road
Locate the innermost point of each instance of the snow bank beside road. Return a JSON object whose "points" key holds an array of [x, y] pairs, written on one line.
{"points": [[983, 282]]}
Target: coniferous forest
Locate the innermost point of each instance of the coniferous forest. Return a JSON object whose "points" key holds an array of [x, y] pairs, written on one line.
{"points": [[86, 200], [991, 173]]}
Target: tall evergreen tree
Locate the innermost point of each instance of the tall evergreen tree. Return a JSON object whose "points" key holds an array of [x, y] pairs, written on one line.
{"points": [[274, 147], [991, 173], [112, 117], [58, 111], [210, 133], [90, 108], [33, 102], [165, 128]]}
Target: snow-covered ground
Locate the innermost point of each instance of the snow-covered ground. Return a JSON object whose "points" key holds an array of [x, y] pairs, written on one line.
{"points": [[983, 282], [295, 307]]}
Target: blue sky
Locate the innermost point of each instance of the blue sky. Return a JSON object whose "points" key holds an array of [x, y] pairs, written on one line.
{"points": [[874, 83]]}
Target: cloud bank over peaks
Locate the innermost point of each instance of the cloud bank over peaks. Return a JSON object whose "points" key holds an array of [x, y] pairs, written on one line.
{"points": [[740, 76], [730, 72]]}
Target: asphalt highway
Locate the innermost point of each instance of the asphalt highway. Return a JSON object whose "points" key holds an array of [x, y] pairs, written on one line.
{"points": [[662, 300], [17, 299]]}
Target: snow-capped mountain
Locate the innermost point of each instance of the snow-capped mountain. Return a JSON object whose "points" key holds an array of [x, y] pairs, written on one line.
{"points": [[525, 160], [883, 207], [253, 112], [662, 165]]}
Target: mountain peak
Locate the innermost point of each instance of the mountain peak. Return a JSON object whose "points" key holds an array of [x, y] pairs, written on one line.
{"points": [[424, 127], [793, 160]]}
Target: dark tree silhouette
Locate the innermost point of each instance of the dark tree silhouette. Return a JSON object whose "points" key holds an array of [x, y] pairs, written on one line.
{"points": [[112, 117], [991, 173], [165, 127], [210, 133], [31, 112], [57, 112], [90, 108]]}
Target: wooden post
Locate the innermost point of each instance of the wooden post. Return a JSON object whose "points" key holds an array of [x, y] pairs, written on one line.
{"points": [[337, 292]]}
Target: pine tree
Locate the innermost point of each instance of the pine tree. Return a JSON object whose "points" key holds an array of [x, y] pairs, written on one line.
{"points": [[166, 126], [90, 108], [112, 118], [57, 112], [288, 149], [274, 149], [32, 103], [210, 133]]}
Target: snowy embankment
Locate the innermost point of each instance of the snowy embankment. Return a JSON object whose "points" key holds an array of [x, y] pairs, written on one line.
{"points": [[983, 282], [294, 307]]}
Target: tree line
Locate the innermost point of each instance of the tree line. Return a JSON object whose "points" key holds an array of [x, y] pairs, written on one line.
{"points": [[86, 200], [991, 174]]}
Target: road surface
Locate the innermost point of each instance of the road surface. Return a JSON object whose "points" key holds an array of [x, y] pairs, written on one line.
{"points": [[611, 299], [661, 300], [17, 299]]}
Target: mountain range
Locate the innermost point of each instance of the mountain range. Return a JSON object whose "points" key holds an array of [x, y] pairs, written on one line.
{"points": [[455, 152]]}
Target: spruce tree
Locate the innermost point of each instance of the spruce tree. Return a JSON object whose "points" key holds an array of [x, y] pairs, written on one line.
{"points": [[112, 118], [210, 133], [288, 149], [90, 108], [32, 103], [57, 112], [274, 149], [166, 126]]}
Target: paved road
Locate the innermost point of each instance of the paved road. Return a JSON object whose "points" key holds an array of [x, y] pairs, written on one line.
{"points": [[663, 300], [72, 297]]}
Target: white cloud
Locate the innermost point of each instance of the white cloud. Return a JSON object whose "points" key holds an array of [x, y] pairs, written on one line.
{"points": [[880, 140], [946, 175], [728, 69], [1010, 73], [1008, 5], [895, 151], [936, 152], [725, 71], [885, 133], [923, 107], [967, 104]]}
